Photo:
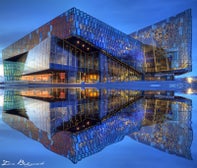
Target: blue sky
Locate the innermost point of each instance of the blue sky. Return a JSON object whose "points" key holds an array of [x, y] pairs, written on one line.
{"points": [[20, 17]]}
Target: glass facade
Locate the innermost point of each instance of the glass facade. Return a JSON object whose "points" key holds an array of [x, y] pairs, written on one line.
{"points": [[76, 47], [59, 61], [38, 58], [168, 44]]}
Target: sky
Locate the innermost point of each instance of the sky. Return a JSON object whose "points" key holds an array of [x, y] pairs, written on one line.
{"points": [[20, 17]]}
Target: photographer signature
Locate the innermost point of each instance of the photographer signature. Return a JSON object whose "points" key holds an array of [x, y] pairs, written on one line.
{"points": [[21, 162]]}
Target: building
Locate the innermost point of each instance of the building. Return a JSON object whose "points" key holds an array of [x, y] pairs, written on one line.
{"points": [[77, 48]]}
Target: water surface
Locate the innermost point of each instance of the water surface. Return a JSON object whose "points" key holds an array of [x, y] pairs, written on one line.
{"points": [[89, 127]]}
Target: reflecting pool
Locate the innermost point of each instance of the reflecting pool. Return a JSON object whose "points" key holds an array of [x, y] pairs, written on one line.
{"points": [[90, 127]]}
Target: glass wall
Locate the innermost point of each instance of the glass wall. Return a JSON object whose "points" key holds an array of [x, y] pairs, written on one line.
{"points": [[38, 58], [12, 70], [113, 70], [170, 44], [109, 39], [78, 65], [76, 23], [60, 61], [88, 64]]}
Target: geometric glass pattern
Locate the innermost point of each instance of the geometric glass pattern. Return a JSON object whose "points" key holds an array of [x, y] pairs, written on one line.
{"points": [[76, 47]]}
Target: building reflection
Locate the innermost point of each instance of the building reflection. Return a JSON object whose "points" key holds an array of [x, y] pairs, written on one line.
{"points": [[77, 123], [167, 124], [189, 83]]}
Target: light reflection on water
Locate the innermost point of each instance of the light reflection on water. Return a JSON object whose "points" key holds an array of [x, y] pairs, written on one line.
{"points": [[78, 123]]}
